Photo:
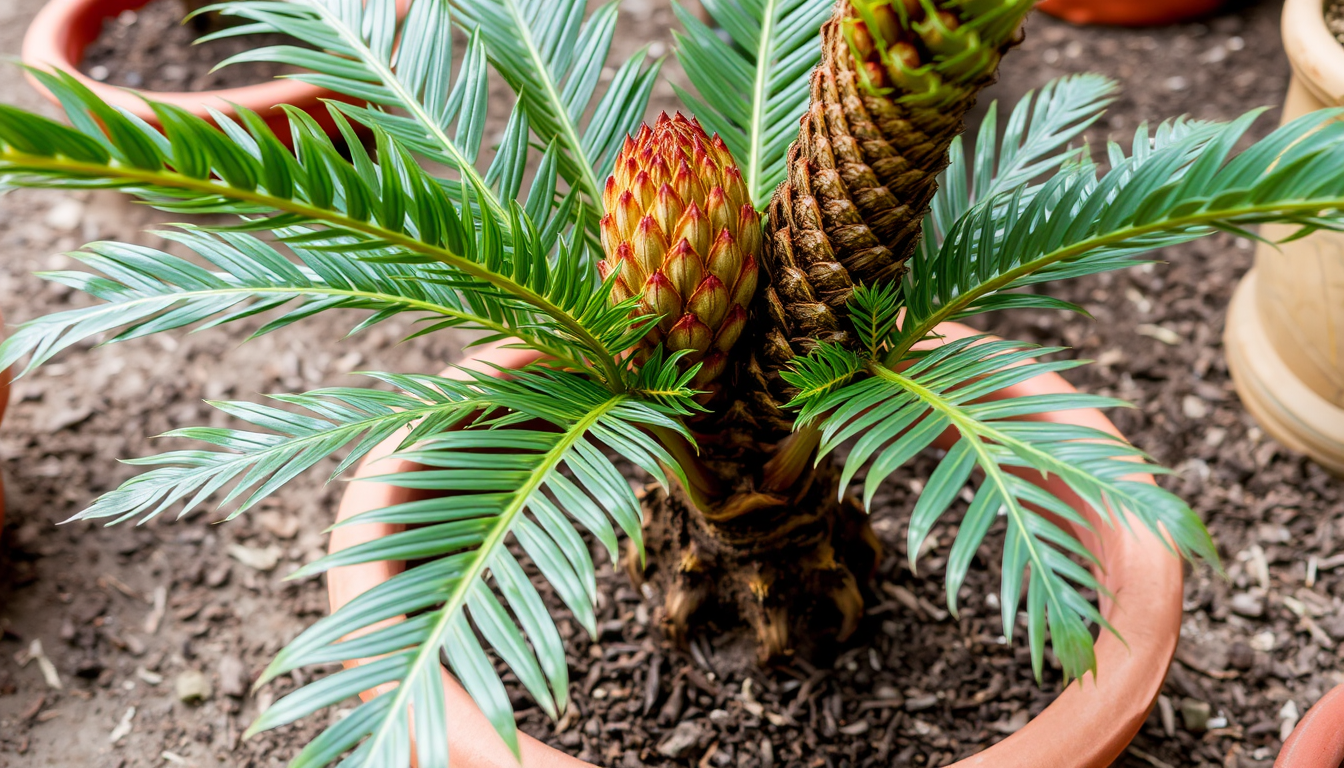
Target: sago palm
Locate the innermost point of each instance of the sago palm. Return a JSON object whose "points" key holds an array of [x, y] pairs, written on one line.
{"points": [[723, 301]]}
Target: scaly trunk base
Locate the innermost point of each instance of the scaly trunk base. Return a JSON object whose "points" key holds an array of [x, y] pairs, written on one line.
{"points": [[794, 569]]}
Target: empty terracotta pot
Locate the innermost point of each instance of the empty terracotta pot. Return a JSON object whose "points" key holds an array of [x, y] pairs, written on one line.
{"points": [[1285, 326], [1088, 725], [1318, 741], [64, 28], [1129, 13]]}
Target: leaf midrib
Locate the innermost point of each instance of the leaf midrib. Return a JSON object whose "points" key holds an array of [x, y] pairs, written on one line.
{"points": [[974, 431], [410, 304], [589, 179], [1005, 279], [412, 104], [610, 369], [428, 654], [756, 129]]}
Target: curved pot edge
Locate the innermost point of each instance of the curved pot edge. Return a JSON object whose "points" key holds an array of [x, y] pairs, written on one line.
{"points": [[1317, 57], [1122, 14], [1111, 707], [1281, 403], [51, 36], [5, 377], [1318, 741]]}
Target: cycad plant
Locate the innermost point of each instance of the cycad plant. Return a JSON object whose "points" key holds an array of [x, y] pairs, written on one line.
{"points": [[723, 301]]}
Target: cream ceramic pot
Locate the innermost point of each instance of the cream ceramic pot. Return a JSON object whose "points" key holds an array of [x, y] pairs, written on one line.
{"points": [[1285, 327]]}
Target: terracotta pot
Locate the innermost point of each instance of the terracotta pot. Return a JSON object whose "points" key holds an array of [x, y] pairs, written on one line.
{"points": [[1318, 741], [1129, 13], [1088, 726], [4, 405], [64, 28], [1285, 326]]}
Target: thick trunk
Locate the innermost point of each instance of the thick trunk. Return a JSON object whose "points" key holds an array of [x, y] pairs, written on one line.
{"points": [[793, 566]]}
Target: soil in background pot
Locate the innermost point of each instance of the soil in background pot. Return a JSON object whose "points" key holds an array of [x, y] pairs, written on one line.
{"points": [[151, 49], [1334, 18]]}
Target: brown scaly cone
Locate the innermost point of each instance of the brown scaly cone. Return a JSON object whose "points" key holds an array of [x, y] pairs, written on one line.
{"points": [[772, 541], [890, 94], [681, 230]]}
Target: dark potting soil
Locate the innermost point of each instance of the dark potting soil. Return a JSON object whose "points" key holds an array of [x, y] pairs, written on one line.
{"points": [[1334, 18], [151, 49], [919, 688], [916, 687]]}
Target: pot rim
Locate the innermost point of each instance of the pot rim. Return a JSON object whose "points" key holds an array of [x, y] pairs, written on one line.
{"points": [[1318, 741], [62, 30], [1152, 13], [1087, 726], [1317, 57]]}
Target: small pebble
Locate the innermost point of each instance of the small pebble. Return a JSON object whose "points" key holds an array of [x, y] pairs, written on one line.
{"points": [[1013, 724], [134, 645], [1194, 407], [1168, 714], [921, 703], [1264, 642], [1195, 714], [1247, 604], [1161, 333], [65, 215], [681, 741], [1241, 656], [256, 558], [232, 676], [279, 524], [192, 686], [124, 726], [855, 729], [216, 576], [1289, 717]]}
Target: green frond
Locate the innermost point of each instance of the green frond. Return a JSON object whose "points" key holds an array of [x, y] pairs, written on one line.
{"points": [[1035, 142], [895, 414], [383, 208], [824, 370], [660, 378], [753, 88], [259, 463], [553, 59], [1176, 187], [500, 482], [874, 312], [402, 71], [146, 291]]}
